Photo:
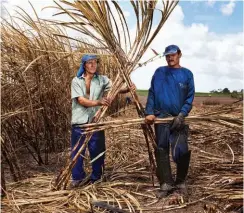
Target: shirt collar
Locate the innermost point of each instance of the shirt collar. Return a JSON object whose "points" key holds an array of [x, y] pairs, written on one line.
{"points": [[83, 75]]}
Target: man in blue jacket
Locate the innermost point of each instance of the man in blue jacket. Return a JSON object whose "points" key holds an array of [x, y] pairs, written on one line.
{"points": [[171, 94]]}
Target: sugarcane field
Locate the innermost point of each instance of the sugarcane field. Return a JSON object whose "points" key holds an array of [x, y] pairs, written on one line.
{"points": [[48, 163]]}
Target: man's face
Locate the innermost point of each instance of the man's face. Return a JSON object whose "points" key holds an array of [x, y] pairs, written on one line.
{"points": [[91, 66], [173, 60]]}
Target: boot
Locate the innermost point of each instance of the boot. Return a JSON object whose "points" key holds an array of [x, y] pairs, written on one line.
{"points": [[79, 183], [163, 172], [182, 170]]}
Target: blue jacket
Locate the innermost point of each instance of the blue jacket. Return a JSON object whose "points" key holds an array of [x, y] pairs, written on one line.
{"points": [[172, 91]]}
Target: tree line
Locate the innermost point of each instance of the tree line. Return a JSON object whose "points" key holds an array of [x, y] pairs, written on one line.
{"points": [[233, 94]]}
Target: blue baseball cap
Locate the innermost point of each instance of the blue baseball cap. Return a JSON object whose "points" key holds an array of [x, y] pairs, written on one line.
{"points": [[84, 59], [171, 49]]}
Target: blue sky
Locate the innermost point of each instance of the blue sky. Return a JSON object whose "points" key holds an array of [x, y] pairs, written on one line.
{"points": [[201, 12], [210, 15]]}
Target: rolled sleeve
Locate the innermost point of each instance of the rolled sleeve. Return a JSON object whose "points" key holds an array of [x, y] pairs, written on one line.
{"points": [[76, 89], [107, 84]]}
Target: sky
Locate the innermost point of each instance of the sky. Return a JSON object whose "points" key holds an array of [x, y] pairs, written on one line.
{"points": [[209, 34]]}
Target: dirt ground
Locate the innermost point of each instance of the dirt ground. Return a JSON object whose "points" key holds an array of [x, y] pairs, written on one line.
{"points": [[215, 178], [201, 100]]}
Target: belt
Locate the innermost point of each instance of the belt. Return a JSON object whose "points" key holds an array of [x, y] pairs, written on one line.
{"points": [[78, 125]]}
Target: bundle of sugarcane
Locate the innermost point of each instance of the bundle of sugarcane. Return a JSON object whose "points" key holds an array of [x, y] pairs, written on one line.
{"points": [[96, 21], [94, 127]]}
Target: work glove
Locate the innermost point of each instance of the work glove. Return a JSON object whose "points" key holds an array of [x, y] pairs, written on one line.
{"points": [[178, 122]]}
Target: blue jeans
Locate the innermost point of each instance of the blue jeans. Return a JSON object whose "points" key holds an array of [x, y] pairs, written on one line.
{"points": [[176, 139], [96, 145]]}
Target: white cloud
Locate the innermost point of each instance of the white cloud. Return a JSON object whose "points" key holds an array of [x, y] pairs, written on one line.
{"points": [[215, 60], [126, 13], [45, 10], [11, 6], [228, 9], [210, 3]]}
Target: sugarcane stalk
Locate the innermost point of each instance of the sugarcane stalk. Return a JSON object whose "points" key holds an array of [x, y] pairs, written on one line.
{"points": [[93, 127]]}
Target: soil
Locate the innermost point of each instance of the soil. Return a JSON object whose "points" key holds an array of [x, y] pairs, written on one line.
{"points": [[202, 100]]}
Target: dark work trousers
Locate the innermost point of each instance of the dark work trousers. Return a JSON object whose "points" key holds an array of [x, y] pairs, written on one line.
{"points": [[96, 146], [176, 139]]}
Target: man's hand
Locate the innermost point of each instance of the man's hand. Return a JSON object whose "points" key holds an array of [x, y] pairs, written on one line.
{"points": [[132, 88], [178, 122], [150, 119], [104, 102], [126, 89]]}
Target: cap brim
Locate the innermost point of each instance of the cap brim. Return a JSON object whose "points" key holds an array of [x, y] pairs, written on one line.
{"points": [[170, 52]]}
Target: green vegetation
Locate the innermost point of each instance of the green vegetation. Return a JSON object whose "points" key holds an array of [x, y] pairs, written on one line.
{"points": [[142, 92], [208, 94], [197, 94]]}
